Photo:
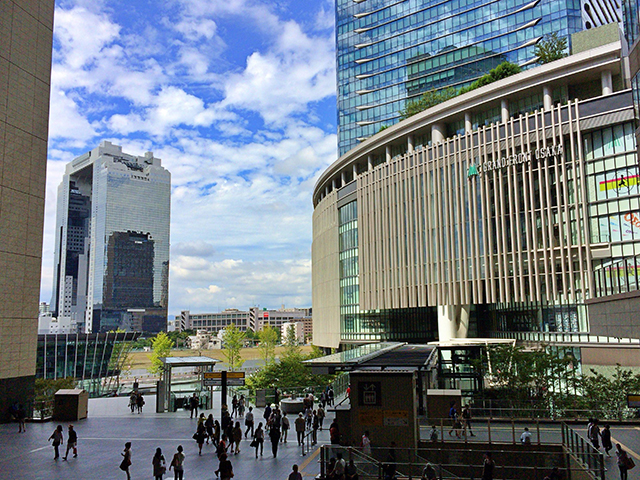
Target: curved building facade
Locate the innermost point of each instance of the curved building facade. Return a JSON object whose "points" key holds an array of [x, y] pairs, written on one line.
{"points": [[507, 209]]}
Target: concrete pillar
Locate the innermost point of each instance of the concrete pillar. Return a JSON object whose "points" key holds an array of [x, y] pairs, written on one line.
{"points": [[370, 162], [409, 143], [333, 184], [468, 125], [547, 99], [343, 179], [607, 82], [453, 321], [355, 171], [326, 191], [504, 109], [437, 133], [388, 154]]}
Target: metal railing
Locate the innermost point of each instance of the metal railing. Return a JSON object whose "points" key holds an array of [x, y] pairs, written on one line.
{"points": [[43, 409], [448, 464], [491, 409], [489, 432], [568, 338], [584, 452]]}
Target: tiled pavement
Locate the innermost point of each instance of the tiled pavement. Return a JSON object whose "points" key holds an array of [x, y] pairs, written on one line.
{"points": [[110, 424]]}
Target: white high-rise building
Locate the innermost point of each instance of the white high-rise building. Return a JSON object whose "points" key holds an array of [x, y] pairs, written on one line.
{"points": [[112, 241]]}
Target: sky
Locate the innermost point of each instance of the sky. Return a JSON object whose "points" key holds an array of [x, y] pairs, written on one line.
{"points": [[237, 97]]}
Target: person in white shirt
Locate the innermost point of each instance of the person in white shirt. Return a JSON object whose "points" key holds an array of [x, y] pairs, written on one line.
{"points": [[525, 438], [366, 443]]}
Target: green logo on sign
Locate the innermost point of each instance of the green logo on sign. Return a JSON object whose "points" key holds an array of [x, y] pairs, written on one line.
{"points": [[473, 170]]}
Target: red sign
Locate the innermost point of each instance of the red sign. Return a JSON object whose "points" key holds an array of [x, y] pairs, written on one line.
{"points": [[265, 315]]}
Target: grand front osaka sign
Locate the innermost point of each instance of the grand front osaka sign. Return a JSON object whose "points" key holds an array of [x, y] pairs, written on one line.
{"points": [[516, 159]]}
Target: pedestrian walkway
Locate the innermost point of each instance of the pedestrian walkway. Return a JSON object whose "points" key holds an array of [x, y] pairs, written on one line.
{"points": [[110, 424]]}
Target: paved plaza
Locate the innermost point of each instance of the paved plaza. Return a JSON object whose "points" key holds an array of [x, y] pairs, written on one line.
{"points": [[110, 424]]}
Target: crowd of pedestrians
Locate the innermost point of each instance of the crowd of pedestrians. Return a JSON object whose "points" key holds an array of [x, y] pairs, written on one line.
{"points": [[227, 436]]}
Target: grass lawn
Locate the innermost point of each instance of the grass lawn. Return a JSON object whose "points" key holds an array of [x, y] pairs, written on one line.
{"points": [[141, 359]]}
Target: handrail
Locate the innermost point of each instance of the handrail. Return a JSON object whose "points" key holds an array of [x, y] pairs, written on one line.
{"points": [[584, 452], [412, 469]]}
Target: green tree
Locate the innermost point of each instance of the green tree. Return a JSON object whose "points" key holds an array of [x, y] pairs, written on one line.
{"points": [[607, 395], [289, 372], [161, 345], [427, 100], [550, 48], [539, 378], [291, 347], [504, 70], [232, 343], [268, 337]]}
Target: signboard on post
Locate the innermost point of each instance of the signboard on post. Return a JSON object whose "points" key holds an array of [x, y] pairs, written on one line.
{"points": [[235, 379], [633, 401], [212, 379]]}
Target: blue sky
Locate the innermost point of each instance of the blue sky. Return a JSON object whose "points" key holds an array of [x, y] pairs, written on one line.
{"points": [[237, 97]]}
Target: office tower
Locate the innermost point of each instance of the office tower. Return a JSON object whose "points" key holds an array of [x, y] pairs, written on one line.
{"points": [[510, 211], [112, 242], [390, 52], [26, 32]]}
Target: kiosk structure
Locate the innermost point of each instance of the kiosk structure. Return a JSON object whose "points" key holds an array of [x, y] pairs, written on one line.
{"points": [[204, 364]]}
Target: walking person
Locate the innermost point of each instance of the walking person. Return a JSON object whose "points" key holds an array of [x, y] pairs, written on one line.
{"points": [[236, 436], [300, 426], [267, 416], [139, 402], [286, 425], [57, 438], [624, 462], [216, 433], [248, 421], [194, 403], [606, 439], [159, 465], [199, 436], [453, 415], [594, 434], [321, 415], [308, 416], [234, 404], [295, 474], [525, 438], [72, 443], [20, 417], [366, 443], [225, 469], [274, 435], [488, 466], [429, 473], [177, 464], [258, 439], [241, 403], [315, 425], [133, 400], [126, 460], [466, 420], [208, 424]]}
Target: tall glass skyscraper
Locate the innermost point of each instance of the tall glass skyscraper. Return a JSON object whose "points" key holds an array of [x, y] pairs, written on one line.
{"points": [[390, 51], [112, 242]]}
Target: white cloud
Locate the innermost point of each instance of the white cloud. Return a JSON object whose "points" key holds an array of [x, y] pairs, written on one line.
{"points": [[65, 120], [243, 136], [299, 70]]}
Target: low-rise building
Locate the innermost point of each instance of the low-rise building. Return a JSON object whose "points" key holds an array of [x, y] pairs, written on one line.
{"points": [[298, 328], [213, 322], [203, 340], [276, 318]]}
